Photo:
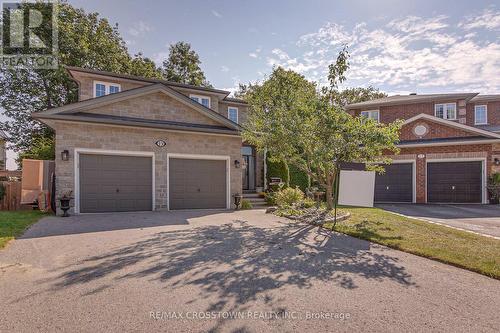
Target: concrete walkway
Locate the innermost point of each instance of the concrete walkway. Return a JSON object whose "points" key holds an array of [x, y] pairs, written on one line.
{"points": [[481, 219], [189, 271]]}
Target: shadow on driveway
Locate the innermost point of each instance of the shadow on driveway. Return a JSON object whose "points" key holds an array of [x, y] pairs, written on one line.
{"points": [[238, 261], [86, 223]]}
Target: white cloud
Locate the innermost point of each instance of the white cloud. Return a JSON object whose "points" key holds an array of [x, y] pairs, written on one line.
{"points": [[139, 28], [402, 55], [256, 53], [489, 19], [224, 69], [216, 13]]}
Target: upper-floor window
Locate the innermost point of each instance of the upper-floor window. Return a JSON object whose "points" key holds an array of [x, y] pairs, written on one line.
{"points": [[105, 88], [446, 111], [480, 114], [371, 114], [203, 100], [232, 114]]}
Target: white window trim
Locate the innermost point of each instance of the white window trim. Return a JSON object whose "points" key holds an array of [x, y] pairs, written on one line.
{"points": [[445, 113], [237, 113], [486, 115], [226, 158], [106, 87], [370, 112], [202, 96], [79, 151]]}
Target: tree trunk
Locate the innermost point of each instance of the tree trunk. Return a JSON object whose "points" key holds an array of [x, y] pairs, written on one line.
{"points": [[287, 168]]}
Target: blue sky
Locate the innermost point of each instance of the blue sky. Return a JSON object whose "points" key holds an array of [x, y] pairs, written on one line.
{"points": [[397, 46]]}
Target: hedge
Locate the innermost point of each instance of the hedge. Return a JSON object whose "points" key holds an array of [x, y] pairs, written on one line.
{"points": [[297, 177]]}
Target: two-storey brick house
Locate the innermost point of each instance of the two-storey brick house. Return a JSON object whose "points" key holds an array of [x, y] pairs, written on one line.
{"points": [[133, 144], [450, 144]]}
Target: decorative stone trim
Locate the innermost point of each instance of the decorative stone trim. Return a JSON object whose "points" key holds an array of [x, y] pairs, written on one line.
{"points": [[481, 154], [402, 157]]}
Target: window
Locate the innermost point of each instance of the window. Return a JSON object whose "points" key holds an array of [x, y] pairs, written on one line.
{"points": [[114, 89], [481, 114], [203, 100], [372, 114], [100, 90], [446, 111], [105, 88], [232, 114]]}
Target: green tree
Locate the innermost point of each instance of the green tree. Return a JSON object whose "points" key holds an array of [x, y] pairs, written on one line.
{"points": [[85, 40], [277, 108], [307, 129], [183, 66]]}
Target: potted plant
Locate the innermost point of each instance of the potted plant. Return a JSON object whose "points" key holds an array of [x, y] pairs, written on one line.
{"points": [[65, 201]]}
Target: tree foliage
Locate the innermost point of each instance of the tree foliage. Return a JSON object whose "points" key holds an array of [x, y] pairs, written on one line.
{"points": [[183, 66], [308, 129], [277, 108], [85, 40]]}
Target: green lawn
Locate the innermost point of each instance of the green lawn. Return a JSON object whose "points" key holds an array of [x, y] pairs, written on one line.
{"points": [[451, 246], [13, 224]]}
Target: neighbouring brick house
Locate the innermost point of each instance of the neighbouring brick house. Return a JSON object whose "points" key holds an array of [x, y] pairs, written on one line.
{"points": [[132, 143], [450, 144]]}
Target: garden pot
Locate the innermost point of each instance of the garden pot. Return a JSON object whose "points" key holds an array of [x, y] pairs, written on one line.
{"points": [[237, 200], [65, 206]]}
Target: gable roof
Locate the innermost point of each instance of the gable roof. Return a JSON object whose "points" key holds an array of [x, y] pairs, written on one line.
{"points": [[454, 124], [224, 93], [78, 107], [410, 99], [485, 98]]}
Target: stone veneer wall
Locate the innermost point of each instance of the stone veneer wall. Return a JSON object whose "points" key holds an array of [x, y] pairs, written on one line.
{"points": [[78, 135]]}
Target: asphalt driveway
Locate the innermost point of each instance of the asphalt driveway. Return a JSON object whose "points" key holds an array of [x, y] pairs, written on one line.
{"points": [[190, 271], [483, 219]]}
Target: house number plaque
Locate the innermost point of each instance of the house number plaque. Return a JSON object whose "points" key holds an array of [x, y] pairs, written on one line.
{"points": [[161, 143]]}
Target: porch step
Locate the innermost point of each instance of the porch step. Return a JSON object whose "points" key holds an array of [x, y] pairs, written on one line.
{"points": [[255, 200], [251, 195]]}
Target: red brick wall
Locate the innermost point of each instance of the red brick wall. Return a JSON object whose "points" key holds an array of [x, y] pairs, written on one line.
{"points": [[493, 113], [421, 162], [434, 131]]}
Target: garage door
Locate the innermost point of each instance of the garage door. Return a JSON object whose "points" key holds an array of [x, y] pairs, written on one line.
{"points": [[111, 183], [197, 184], [396, 184], [459, 182]]}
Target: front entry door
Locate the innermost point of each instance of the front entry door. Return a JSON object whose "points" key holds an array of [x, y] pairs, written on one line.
{"points": [[249, 172]]}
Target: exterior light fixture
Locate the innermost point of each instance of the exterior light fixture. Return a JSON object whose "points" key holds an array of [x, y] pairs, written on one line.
{"points": [[497, 161], [237, 164], [65, 155]]}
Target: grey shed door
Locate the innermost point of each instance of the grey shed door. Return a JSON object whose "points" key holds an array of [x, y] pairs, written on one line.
{"points": [[396, 184], [112, 183], [197, 184]]}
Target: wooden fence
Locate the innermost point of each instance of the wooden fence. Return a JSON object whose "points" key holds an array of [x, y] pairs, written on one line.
{"points": [[12, 197]]}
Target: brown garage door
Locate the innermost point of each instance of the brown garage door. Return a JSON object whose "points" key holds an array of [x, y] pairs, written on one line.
{"points": [[459, 182], [111, 183], [197, 184], [396, 184]]}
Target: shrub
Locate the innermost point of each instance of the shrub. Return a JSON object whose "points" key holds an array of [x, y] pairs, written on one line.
{"points": [[297, 177], [288, 197], [245, 204], [308, 203], [270, 198]]}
